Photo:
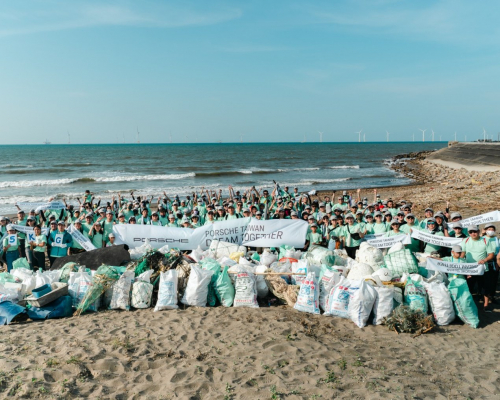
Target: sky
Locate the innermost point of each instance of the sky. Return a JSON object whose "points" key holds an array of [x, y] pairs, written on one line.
{"points": [[230, 71]]}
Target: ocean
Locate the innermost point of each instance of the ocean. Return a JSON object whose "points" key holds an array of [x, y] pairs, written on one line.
{"points": [[37, 172]]}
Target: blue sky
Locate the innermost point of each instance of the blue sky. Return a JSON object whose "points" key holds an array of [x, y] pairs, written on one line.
{"points": [[268, 70]]}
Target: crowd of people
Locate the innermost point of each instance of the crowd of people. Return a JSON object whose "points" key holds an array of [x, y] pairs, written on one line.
{"points": [[343, 219]]}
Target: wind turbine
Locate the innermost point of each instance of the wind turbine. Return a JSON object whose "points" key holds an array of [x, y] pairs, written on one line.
{"points": [[359, 134], [465, 139], [423, 134], [387, 136], [413, 136], [69, 138], [138, 141], [455, 136], [364, 137], [432, 134], [484, 135], [320, 137]]}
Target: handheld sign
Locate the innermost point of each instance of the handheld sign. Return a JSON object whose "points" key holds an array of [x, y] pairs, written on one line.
{"points": [[12, 240], [58, 240], [30, 237]]}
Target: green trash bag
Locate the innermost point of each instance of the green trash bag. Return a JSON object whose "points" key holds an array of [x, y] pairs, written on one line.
{"points": [[6, 277], [416, 296], [464, 304], [329, 260], [66, 270], [400, 262], [224, 288], [142, 267], [21, 263], [283, 250], [255, 256], [211, 265], [423, 271]]}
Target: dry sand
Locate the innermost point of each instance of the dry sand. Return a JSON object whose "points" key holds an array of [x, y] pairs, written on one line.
{"points": [[236, 353]]}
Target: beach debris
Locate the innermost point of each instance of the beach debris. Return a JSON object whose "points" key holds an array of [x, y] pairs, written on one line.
{"points": [[282, 290], [114, 255], [167, 292], [245, 290], [102, 280], [405, 320]]}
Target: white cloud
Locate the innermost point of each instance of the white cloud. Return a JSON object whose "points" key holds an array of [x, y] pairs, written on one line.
{"points": [[35, 16]]}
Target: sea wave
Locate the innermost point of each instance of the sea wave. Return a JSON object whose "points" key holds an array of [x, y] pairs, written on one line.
{"points": [[36, 171], [344, 167], [316, 181], [306, 169], [120, 178]]}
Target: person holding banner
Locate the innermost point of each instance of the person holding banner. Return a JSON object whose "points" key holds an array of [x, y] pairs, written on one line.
{"points": [[407, 228], [31, 221], [21, 220], [482, 251], [38, 247], [491, 234], [60, 242], [11, 246], [75, 246], [96, 236], [395, 224], [432, 229]]}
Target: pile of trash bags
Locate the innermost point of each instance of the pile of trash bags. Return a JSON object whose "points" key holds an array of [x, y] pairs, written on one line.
{"points": [[319, 281]]}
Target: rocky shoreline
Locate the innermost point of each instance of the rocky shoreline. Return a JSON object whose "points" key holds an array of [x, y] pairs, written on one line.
{"points": [[433, 185]]}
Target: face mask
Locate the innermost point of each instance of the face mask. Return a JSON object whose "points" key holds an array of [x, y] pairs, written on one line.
{"points": [[490, 233]]}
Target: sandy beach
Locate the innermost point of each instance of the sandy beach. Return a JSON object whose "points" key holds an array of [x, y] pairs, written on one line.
{"points": [[273, 352]]}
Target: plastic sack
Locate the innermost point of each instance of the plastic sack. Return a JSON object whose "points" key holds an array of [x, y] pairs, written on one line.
{"points": [[400, 262], [224, 289], [196, 292], [440, 302], [415, 296], [6, 277], [260, 282], [240, 268], [267, 258], [338, 299], [52, 276], [245, 291], [219, 248], [361, 303], [164, 249], [464, 304], [384, 303], [41, 279], [244, 261], [11, 294], [167, 291], [370, 255], [282, 267], [384, 274], [319, 255], [141, 294], [396, 247], [308, 298], [145, 276], [236, 256], [359, 271], [120, 298], [66, 270], [299, 267], [214, 266], [256, 257], [138, 252], [328, 278], [78, 285], [197, 254], [226, 261], [21, 263]]}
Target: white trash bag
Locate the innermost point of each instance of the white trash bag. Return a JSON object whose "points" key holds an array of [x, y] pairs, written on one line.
{"points": [[196, 292], [384, 303], [338, 300], [440, 302], [245, 291], [361, 303], [120, 298], [167, 291], [308, 297], [359, 271], [262, 288], [142, 290]]}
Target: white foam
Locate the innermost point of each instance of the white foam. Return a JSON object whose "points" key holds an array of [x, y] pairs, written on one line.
{"points": [[50, 182], [245, 171], [344, 167], [130, 178]]}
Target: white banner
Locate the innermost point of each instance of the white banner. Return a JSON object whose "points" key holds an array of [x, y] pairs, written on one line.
{"points": [[28, 230], [385, 242], [42, 205], [241, 231], [275, 232], [80, 238], [442, 241], [492, 216], [455, 268], [372, 236]]}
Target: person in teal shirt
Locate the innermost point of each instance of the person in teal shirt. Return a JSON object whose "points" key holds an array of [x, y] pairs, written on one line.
{"points": [[11, 247], [195, 221], [96, 236], [107, 225], [163, 218], [210, 218], [313, 237], [353, 235], [59, 247], [407, 229], [431, 228], [379, 226], [75, 246], [231, 214], [394, 229], [87, 225], [429, 213], [144, 219], [38, 247], [456, 257], [172, 223], [369, 223], [155, 219]]}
